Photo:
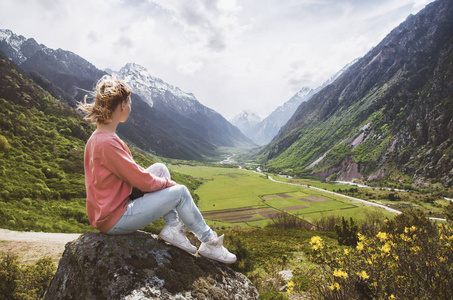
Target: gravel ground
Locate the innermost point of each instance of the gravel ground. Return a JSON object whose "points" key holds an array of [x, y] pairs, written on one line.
{"points": [[31, 246]]}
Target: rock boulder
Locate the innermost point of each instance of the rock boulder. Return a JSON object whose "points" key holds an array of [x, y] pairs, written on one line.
{"points": [[139, 266]]}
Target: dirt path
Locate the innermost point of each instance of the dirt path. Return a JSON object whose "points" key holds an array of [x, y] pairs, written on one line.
{"points": [[31, 246]]}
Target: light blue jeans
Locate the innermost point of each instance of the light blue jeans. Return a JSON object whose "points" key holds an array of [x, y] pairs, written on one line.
{"points": [[170, 203]]}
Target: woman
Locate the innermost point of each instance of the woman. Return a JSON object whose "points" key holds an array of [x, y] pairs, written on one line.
{"points": [[110, 174]]}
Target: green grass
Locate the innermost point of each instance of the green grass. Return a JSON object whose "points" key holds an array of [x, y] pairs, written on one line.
{"points": [[229, 189]]}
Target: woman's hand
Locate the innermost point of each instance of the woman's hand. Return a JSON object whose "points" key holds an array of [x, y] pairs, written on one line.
{"points": [[171, 183]]}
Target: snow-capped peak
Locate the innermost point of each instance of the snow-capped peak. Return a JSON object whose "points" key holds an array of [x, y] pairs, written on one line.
{"points": [[151, 88], [246, 116]]}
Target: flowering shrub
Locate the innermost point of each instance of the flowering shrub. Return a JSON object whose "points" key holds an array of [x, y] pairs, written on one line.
{"points": [[414, 264]]}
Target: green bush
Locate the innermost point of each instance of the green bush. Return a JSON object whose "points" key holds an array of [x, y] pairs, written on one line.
{"points": [[27, 282], [448, 211], [272, 295], [4, 145], [10, 272], [286, 221], [347, 232], [34, 280]]}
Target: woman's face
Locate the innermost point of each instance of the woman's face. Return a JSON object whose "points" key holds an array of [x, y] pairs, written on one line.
{"points": [[126, 105]]}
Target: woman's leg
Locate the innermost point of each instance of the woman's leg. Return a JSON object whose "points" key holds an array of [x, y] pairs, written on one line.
{"points": [[169, 202], [152, 206], [161, 170]]}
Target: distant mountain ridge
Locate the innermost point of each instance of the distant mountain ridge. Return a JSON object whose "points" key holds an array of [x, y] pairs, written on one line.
{"points": [[390, 115], [164, 119], [264, 131], [172, 101], [65, 69], [246, 120]]}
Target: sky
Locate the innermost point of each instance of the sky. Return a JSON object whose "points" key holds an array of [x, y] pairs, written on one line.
{"points": [[233, 55]]}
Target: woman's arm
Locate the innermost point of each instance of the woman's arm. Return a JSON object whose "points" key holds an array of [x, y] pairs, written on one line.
{"points": [[118, 159]]}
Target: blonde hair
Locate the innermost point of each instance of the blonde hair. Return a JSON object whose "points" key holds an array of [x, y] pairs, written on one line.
{"points": [[109, 92]]}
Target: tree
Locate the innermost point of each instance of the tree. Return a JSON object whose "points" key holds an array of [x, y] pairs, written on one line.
{"points": [[347, 232]]}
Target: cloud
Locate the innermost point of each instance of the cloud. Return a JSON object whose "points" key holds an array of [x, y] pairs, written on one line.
{"points": [[213, 24], [190, 68], [232, 55]]}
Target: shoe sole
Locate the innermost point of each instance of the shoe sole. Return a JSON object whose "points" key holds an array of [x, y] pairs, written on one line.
{"points": [[170, 242], [219, 260]]}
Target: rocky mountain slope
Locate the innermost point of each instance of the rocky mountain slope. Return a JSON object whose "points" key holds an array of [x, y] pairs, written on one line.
{"points": [[390, 115], [264, 131], [177, 126], [183, 109]]}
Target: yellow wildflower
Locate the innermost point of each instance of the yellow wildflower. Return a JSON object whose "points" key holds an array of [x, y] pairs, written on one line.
{"points": [[405, 238], [340, 274], [442, 259], [315, 240], [415, 249], [406, 229], [316, 243], [392, 296], [363, 274], [334, 286], [387, 247], [360, 246], [361, 236], [290, 288], [413, 228], [347, 251], [382, 236]]}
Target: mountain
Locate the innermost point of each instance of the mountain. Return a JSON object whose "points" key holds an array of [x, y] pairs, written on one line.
{"points": [[265, 130], [70, 72], [246, 120], [175, 126], [389, 116], [18, 48], [183, 109]]}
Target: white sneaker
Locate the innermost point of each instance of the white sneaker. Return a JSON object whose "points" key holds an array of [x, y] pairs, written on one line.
{"points": [[176, 236], [214, 250]]}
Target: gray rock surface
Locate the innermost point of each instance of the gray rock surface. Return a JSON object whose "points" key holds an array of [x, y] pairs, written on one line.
{"points": [[139, 266]]}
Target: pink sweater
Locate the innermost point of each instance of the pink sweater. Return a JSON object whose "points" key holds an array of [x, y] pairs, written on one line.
{"points": [[110, 174]]}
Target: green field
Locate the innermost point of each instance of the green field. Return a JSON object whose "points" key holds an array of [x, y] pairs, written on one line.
{"points": [[236, 197]]}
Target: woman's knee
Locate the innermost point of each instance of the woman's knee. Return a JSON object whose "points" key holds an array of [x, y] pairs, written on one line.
{"points": [[183, 192], [181, 188], [159, 169]]}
